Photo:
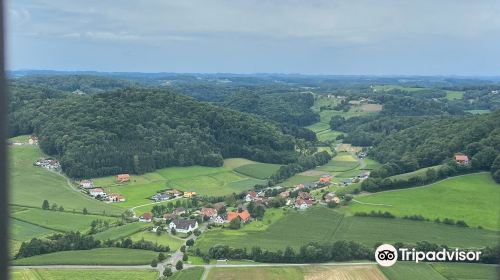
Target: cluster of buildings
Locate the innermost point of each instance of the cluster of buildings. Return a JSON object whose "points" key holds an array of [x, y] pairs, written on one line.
{"points": [[170, 194], [99, 193], [50, 164]]}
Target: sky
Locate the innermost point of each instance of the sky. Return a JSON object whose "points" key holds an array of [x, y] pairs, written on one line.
{"points": [[349, 37]]}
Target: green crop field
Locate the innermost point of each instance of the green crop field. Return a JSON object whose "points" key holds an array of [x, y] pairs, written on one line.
{"points": [[462, 271], [121, 231], [83, 274], [258, 170], [100, 256], [31, 185], [471, 198], [326, 225], [164, 239], [61, 221], [411, 271], [250, 273], [23, 231], [194, 273]]}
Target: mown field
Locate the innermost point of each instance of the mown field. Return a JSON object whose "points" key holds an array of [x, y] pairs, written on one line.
{"points": [[236, 176], [164, 239], [473, 198], [188, 274], [83, 274], [411, 271], [23, 231], [121, 231], [251, 273], [441, 271], [31, 185], [100, 256], [321, 224], [419, 172]]}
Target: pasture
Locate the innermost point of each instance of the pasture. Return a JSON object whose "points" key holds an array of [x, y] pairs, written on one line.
{"points": [[340, 163], [458, 271], [419, 172], [23, 231], [454, 95], [321, 224], [251, 273], [411, 271], [121, 231], [83, 274], [164, 239], [59, 221], [188, 274], [100, 256], [472, 198], [30, 185]]}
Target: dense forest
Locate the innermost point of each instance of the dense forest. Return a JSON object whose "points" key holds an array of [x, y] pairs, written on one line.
{"points": [[140, 130]]}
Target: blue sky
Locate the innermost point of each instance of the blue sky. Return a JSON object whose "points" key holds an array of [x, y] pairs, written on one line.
{"points": [[380, 37]]}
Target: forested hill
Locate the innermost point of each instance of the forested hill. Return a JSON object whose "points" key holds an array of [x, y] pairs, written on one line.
{"points": [[139, 130]]}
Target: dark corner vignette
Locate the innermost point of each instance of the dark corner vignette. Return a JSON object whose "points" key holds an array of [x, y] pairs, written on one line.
{"points": [[4, 210]]}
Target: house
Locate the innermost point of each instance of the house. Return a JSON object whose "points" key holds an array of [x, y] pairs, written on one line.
{"points": [[304, 195], [183, 226], [179, 211], [244, 216], [208, 212], [189, 194], [325, 179], [121, 178], [146, 217], [96, 191], [116, 197], [303, 204], [173, 193], [33, 140], [329, 197], [251, 196], [160, 197], [284, 194], [86, 184], [461, 159], [219, 219], [299, 187]]}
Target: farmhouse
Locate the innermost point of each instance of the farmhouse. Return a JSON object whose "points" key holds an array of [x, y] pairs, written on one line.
{"points": [[461, 159], [303, 204], [208, 212], [121, 178], [251, 196], [325, 179], [244, 216], [50, 164], [219, 219], [304, 195], [189, 194], [86, 184], [173, 193], [96, 191], [160, 197], [33, 140], [146, 217], [329, 197], [183, 226], [116, 197]]}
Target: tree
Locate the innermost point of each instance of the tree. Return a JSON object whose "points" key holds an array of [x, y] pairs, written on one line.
{"points": [[54, 207], [173, 231], [167, 272], [185, 257], [183, 248], [61, 208], [197, 232], [179, 265], [85, 212], [45, 205], [190, 242], [235, 223], [154, 263], [161, 257]]}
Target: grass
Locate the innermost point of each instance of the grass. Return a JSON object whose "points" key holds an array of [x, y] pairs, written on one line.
{"points": [[411, 271], [327, 135], [23, 231], [31, 185], [321, 224], [463, 271], [473, 198], [478, 112], [188, 274], [164, 239], [60, 221], [340, 163], [83, 274], [100, 256], [250, 273], [454, 95], [258, 170], [383, 88], [299, 179], [121, 231], [371, 164], [419, 172]]}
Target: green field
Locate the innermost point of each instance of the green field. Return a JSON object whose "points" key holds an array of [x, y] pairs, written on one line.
{"points": [[340, 163], [473, 198], [164, 239], [454, 95], [258, 170], [121, 231], [419, 172], [371, 164], [31, 185], [321, 224], [23, 231], [299, 179], [83, 274], [383, 88], [194, 273], [100, 256], [251, 273], [411, 271], [60, 221], [463, 271]]}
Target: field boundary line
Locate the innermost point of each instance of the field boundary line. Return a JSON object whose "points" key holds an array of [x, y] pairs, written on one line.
{"points": [[374, 204], [42, 226]]}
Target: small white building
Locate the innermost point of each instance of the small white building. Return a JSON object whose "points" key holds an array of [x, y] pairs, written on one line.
{"points": [[86, 184]]}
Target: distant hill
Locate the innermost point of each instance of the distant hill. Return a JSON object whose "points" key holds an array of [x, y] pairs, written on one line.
{"points": [[140, 130]]}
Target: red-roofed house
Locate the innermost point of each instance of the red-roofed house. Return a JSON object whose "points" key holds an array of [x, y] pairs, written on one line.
{"points": [[97, 191], [325, 179], [251, 196], [244, 216], [121, 178], [303, 204], [304, 195], [146, 217], [115, 197], [461, 159]]}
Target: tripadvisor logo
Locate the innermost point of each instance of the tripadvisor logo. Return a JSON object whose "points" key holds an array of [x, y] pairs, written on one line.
{"points": [[387, 255]]}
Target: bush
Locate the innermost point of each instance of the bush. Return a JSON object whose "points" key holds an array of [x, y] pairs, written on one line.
{"points": [[190, 242], [154, 263], [179, 265]]}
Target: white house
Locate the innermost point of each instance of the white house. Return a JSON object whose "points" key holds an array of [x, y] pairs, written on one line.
{"points": [[303, 204], [219, 219], [183, 226], [97, 191], [146, 217], [86, 184]]}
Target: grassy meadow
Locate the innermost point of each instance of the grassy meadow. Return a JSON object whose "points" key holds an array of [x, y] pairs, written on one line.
{"points": [[83, 274], [458, 271], [471, 198], [188, 274], [121, 231], [411, 271], [258, 170], [164, 239], [100, 256]]}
